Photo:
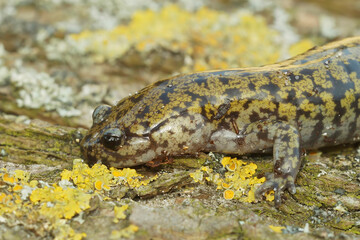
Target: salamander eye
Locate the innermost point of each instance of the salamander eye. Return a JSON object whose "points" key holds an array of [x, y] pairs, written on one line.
{"points": [[113, 138], [100, 113]]}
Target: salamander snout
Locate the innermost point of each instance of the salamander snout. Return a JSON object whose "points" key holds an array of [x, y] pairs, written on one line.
{"points": [[87, 149]]}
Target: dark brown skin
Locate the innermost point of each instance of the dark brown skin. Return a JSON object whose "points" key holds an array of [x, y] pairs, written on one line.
{"points": [[309, 101]]}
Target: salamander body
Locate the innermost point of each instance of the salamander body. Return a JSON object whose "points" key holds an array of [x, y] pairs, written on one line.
{"points": [[309, 101]]}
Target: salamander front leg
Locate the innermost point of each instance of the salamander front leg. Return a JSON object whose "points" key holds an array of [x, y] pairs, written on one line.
{"points": [[286, 154]]}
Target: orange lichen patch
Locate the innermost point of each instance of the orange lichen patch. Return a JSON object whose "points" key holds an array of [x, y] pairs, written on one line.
{"points": [[119, 212], [8, 179], [229, 194], [98, 185], [314, 155], [238, 181], [229, 163], [225, 185], [17, 188], [105, 187], [127, 232]]}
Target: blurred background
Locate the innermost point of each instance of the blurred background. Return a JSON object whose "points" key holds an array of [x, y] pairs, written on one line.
{"points": [[61, 58]]}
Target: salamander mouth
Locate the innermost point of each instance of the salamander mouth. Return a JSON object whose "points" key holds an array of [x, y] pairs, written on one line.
{"points": [[97, 153], [86, 151], [136, 152]]}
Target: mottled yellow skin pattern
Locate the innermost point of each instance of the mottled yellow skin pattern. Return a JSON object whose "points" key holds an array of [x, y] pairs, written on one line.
{"points": [[309, 101]]}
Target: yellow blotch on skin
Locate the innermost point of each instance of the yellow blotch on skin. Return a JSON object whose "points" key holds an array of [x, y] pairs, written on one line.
{"points": [[355, 80], [329, 109], [304, 86], [338, 72], [308, 107], [287, 111], [348, 100], [346, 103], [210, 110], [321, 79]]}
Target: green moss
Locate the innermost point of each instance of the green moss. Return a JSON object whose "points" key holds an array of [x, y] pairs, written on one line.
{"points": [[190, 162], [236, 233], [165, 183], [342, 224], [355, 230]]}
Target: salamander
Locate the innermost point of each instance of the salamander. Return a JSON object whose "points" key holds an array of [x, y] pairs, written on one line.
{"points": [[306, 102]]}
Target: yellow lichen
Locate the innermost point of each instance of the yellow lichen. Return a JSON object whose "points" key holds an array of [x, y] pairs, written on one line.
{"points": [[238, 182], [60, 203], [99, 177], [52, 203], [198, 35], [300, 47], [130, 177], [229, 194], [88, 178], [63, 231], [125, 232], [270, 196], [277, 229], [119, 212], [8, 179], [197, 176], [17, 188]]}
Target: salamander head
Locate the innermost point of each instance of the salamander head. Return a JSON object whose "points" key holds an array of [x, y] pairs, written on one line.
{"points": [[109, 142], [154, 123]]}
